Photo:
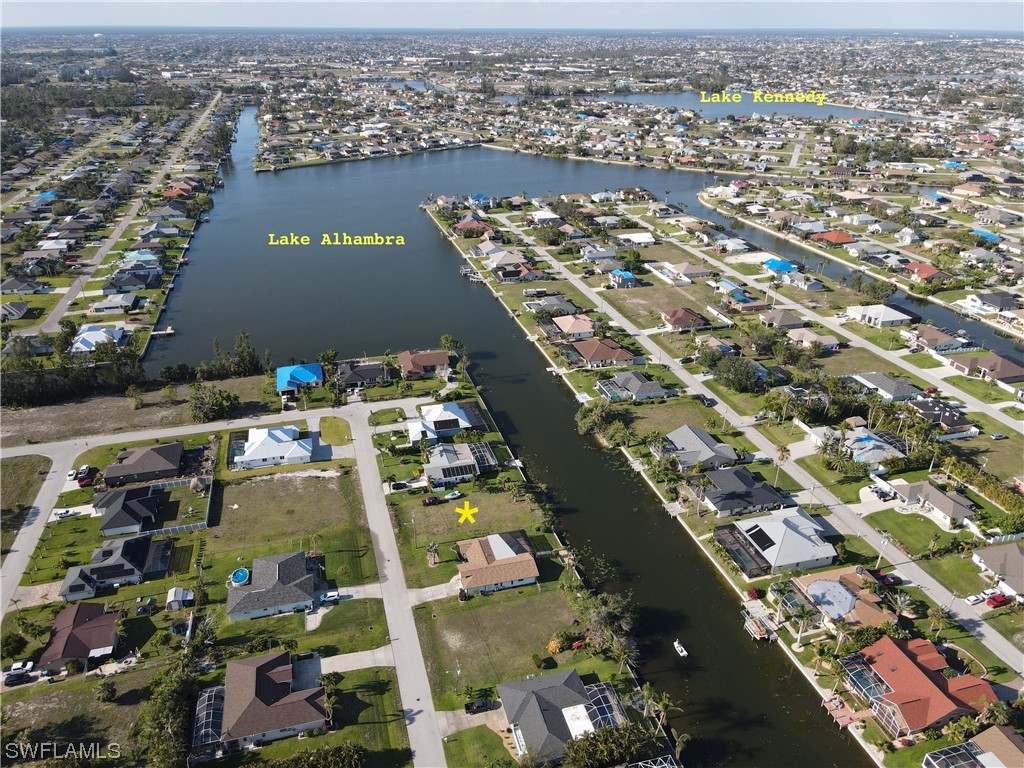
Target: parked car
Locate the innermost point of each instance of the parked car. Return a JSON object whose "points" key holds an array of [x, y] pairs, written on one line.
{"points": [[17, 678], [990, 592], [21, 666], [330, 594], [72, 474], [891, 580], [997, 601], [83, 470], [430, 501], [398, 486], [478, 706], [704, 400], [85, 482], [64, 514], [999, 436], [974, 599]]}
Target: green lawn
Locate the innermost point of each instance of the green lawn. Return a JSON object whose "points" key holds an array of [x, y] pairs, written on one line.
{"points": [[923, 360], [335, 431], [859, 359], [1009, 622], [886, 338], [386, 416], [784, 434], [1002, 458], [846, 489], [368, 712], [105, 455], [984, 391], [21, 477], [416, 388], [63, 543], [744, 403], [914, 531], [911, 757], [474, 746], [956, 573], [1014, 411]]}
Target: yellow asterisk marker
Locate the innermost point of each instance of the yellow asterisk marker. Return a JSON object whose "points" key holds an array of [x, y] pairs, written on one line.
{"points": [[466, 513]]}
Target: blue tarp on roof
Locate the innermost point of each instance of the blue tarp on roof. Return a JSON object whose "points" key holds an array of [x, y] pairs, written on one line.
{"points": [[294, 376], [779, 265], [952, 164], [48, 195], [990, 236]]}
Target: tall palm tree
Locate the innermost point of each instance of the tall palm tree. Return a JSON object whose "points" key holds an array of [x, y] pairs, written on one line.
{"points": [[937, 616], [781, 589], [822, 653], [782, 454], [901, 602], [663, 705], [802, 614], [842, 630], [623, 652], [648, 696]]}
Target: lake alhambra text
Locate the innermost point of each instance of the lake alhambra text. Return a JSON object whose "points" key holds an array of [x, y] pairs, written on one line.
{"points": [[336, 238]]}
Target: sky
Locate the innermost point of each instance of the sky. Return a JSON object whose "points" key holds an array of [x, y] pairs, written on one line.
{"points": [[740, 15]]}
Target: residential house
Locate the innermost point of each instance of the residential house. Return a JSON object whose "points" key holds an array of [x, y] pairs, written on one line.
{"points": [[724, 346], [998, 746], [555, 305], [116, 304], [144, 465], [878, 315], [693, 447], [91, 336], [574, 327], [1005, 564], [22, 286], [832, 238], [629, 385], [446, 420], [263, 699], [865, 446], [844, 595], [780, 318], [924, 273], [13, 310], [787, 539], [806, 338], [423, 364], [735, 491], [279, 584], [931, 339], [293, 379], [496, 562], [127, 283], [637, 239], [127, 511], [902, 682], [886, 386], [622, 278], [546, 712], [988, 303], [595, 253], [684, 319], [516, 273], [600, 353], [451, 463], [83, 632], [952, 422], [989, 367], [948, 508], [274, 446], [116, 563], [356, 375]]}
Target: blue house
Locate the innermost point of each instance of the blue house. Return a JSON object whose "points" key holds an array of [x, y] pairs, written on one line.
{"points": [[779, 266], [481, 201], [988, 236], [293, 378]]}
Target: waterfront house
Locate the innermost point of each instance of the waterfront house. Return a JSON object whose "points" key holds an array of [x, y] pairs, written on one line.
{"points": [[888, 387], [574, 327], [496, 562], [83, 632], [445, 420], [989, 367], [263, 699], [878, 315], [841, 595], [423, 364], [292, 379], [91, 336], [694, 447], [998, 746], [279, 584], [128, 282], [274, 446], [354, 375], [988, 303], [924, 273], [600, 353], [806, 338], [144, 465], [927, 338], [629, 385], [451, 463], [127, 511], [947, 508], [787, 539], [117, 304], [516, 273], [555, 305], [736, 491], [951, 421], [902, 682], [545, 712], [1005, 564], [684, 319], [116, 563], [832, 238]]}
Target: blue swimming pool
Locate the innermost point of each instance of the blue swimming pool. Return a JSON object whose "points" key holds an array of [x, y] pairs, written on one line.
{"points": [[240, 576]]}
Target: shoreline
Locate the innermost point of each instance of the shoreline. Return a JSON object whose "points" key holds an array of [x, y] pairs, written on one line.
{"points": [[560, 371]]}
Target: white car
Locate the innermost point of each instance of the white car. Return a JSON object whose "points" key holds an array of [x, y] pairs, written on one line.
{"points": [[21, 666], [987, 593], [974, 599], [329, 595], [72, 474]]}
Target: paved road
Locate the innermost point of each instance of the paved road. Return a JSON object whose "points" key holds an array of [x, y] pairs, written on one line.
{"points": [[51, 324], [969, 616], [797, 149]]}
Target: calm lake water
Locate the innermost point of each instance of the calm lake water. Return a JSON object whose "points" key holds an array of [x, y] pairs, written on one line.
{"points": [[744, 703]]}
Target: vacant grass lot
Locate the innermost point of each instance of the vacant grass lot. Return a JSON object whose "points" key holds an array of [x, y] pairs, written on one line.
{"points": [[1009, 622], [983, 390], [21, 477], [886, 338], [859, 360], [397, 389], [956, 573], [334, 430], [643, 306], [1002, 458], [368, 712], [846, 489], [914, 531], [744, 403], [288, 512], [923, 360]]}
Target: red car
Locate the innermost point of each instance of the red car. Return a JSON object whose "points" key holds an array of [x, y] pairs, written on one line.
{"points": [[891, 580], [430, 501], [997, 601]]}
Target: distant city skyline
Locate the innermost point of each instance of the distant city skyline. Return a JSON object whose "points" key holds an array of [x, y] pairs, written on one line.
{"points": [[585, 15]]}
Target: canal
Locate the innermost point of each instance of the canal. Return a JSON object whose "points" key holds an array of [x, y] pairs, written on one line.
{"points": [[744, 703]]}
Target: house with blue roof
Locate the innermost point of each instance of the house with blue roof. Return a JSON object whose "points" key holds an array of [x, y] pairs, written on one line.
{"points": [[291, 379], [777, 266], [621, 278], [990, 237]]}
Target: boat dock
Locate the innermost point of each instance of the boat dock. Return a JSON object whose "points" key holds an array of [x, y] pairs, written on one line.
{"points": [[159, 332], [757, 622]]}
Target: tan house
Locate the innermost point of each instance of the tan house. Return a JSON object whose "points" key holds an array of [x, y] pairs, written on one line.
{"points": [[495, 562], [423, 364]]}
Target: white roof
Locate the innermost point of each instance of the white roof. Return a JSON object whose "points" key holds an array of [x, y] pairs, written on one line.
{"points": [[786, 537], [444, 412], [91, 336], [878, 310], [270, 443], [578, 720], [638, 237]]}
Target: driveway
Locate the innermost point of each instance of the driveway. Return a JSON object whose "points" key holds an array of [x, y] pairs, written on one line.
{"points": [[456, 720]]}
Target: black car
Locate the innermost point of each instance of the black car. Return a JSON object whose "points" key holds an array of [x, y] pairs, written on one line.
{"points": [[704, 400], [17, 678], [478, 706], [430, 501]]}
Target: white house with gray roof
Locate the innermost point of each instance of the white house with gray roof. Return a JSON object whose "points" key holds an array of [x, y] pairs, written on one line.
{"points": [[279, 584], [629, 385], [787, 539], [692, 446], [886, 386]]}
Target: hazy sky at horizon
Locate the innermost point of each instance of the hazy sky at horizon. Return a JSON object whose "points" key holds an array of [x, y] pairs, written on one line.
{"points": [[745, 15]]}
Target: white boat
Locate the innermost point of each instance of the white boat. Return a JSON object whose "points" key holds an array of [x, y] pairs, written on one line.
{"points": [[679, 649]]}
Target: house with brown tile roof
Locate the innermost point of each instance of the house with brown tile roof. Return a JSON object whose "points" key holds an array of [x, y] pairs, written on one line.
{"points": [[423, 364], [498, 561], [992, 367], [684, 319], [599, 353], [268, 698], [843, 594]]}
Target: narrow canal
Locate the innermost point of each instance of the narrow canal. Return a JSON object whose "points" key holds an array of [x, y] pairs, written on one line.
{"points": [[743, 702]]}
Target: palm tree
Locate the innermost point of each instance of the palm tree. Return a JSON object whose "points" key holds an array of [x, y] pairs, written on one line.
{"points": [[901, 602], [937, 616], [648, 696], [822, 653], [623, 652], [842, 630], [663, 705], [781, 589], [782, 454], [432, 553], [803, 615]]}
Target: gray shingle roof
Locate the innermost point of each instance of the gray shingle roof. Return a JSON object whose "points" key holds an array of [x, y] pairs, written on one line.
{"points": [[277, 580], [535, 706]]}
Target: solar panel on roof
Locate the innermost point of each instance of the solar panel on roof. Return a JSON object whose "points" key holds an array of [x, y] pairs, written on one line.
{"points": [[761, 539]]}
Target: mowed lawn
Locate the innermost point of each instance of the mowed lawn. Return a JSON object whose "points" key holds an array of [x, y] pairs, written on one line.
{"points": [[21, 477], [644, 305], [955, 572], [914, 531], [288, 512], [491, 638], [475, 746], [984, 391]]}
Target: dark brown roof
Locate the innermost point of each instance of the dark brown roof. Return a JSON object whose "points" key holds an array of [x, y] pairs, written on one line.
{"points": [[79, 629], [258, 697]]}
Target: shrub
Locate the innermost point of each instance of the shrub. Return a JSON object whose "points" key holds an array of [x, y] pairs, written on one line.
{"points": [[537, 661]]}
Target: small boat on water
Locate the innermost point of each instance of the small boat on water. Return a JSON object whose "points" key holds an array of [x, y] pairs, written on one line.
{"points": [[679, 649]]}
